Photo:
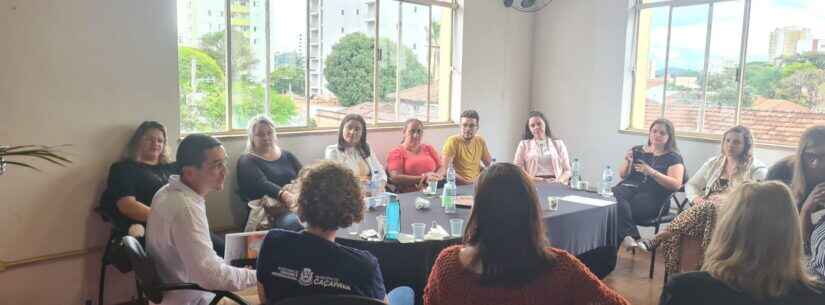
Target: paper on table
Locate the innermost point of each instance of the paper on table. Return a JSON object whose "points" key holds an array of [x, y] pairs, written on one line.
{"points": [[236, 246], [587, 201]]}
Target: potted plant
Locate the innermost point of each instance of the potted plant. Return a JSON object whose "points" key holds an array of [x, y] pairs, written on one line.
{"points": [[10, 155]]}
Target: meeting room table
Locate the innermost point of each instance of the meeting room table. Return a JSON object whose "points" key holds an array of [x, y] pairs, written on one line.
{"points": [[585, 230]]}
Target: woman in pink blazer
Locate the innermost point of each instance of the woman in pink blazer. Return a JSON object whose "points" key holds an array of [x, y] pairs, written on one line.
{"points": [[540, 154]]}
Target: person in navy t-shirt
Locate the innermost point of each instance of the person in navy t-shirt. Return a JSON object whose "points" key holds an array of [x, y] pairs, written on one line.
{"points": [[295, 264]]}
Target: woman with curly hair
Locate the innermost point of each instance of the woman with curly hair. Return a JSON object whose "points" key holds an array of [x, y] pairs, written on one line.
{"points": [[295, 264]]}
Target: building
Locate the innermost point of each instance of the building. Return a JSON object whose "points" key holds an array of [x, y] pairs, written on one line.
{"points": [[783, 41], [329, 21], [810, 45], [197, 18], [202, 17]]}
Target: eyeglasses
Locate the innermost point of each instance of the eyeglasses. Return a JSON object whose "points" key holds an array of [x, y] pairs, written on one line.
{"points": [[219, 164], [813, 157]]}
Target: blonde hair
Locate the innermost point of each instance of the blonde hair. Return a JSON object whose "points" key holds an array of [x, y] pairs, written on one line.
{"points": [[131, 152], [757, 245], [255, 121]]}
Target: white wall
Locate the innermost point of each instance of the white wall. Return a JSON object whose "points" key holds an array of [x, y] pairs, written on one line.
{"points": [[578, 80], [86, 72], [496, 71]]}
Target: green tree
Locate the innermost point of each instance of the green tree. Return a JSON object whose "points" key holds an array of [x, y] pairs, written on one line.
{"points": [[349, 69], [202, 95], [243, 61], [723, 89], [791, 68], [286, 78], [413, 73], [250, 104], [806, 86], [761, 78], [815, 58]]}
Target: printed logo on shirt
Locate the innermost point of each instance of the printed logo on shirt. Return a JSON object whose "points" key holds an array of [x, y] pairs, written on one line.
{"points": [[307, 278]]}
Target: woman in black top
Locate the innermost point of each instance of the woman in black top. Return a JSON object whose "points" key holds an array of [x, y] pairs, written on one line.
{"points": [[650, 174], [265, 168], [134, 180], [754, 257]]}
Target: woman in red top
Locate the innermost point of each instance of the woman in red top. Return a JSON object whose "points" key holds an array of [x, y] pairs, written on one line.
{"points": [[506, 258], [412, 163]]}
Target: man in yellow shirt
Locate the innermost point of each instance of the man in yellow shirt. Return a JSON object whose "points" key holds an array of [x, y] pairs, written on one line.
{"points": [[466, 151]]}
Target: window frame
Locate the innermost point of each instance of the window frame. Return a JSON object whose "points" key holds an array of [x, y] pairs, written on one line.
{"points": [[699, 136], [228, 129]]}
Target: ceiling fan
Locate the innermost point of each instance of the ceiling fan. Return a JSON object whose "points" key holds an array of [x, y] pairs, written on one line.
{"points": [[527, 6]]}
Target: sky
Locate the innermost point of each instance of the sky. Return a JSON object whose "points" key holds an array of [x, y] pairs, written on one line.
{"points": [[689, 28]]}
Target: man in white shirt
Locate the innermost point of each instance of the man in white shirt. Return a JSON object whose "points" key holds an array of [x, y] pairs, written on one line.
{"points": [[177, 231]]}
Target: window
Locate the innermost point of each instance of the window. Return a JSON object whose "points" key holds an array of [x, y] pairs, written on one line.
{"points": [[708, 65], [304, 76]]}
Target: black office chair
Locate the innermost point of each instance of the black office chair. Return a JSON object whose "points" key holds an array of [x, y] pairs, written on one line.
{"points": [[326, 299], [665, 216], [150, 282], [112, 255]]}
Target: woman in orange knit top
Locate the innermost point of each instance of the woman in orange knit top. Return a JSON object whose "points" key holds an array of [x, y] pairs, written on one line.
{"points": [[506, 258]]}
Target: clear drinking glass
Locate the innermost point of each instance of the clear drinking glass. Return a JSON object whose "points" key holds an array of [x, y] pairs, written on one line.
{"points": [[418, 230], [381, 225], [432, 187], [456, 227], [552, 203]]}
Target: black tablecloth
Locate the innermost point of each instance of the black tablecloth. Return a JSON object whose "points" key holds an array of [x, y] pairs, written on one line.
{"points": [[586, 231]]}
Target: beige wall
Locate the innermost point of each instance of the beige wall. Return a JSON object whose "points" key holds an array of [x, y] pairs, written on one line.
{"points": [[86, 72]]}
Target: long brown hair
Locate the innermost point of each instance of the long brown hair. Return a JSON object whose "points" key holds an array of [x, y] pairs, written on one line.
{"points": [[528, 135], [812, 137], [757, 244], [670, 145], [505, 226], [131, 152], [363, 148], [747, 150]]}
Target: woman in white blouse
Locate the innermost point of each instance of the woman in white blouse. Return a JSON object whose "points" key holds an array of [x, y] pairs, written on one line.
{"points": [[540, 154], [733, 166], [353, 151]]}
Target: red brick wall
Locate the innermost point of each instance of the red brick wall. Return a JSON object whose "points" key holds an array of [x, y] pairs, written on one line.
{"points": [[768, 127]]}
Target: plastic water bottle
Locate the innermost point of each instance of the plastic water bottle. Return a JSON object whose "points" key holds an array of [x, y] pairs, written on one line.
{"points": [[576, 177], [607, 181], [449, 192], [393, 219], [375, 183], [375, 189]]}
